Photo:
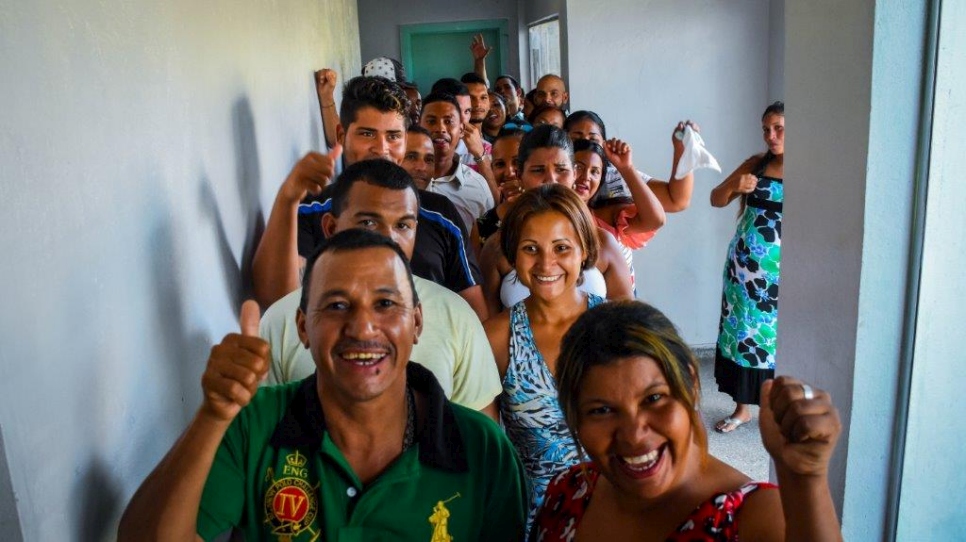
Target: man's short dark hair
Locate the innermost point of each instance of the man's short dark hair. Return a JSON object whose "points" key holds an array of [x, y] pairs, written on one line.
{"points": [[472, 78], [352, 239], [417, 129], [450, 86], [375, 171], [376, 92], [516, 84], [434, 97]]}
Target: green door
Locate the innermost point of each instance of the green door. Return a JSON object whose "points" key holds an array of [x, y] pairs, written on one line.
{"points": [[433, 51]]}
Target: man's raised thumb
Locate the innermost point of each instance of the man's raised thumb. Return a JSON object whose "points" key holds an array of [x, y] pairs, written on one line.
{"points": [[250, 318], [335, 152]]}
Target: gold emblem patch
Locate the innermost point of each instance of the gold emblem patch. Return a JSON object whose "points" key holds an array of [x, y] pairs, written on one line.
{"points": [[290, 503], [440, 520]]}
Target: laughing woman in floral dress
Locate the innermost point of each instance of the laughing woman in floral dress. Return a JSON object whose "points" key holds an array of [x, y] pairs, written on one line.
{"points": [[745, 354]]}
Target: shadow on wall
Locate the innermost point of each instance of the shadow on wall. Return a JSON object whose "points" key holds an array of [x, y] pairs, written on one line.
{"points": [[98, 500], [9, 520], [97, 494], [238, 274], [186, 350]]}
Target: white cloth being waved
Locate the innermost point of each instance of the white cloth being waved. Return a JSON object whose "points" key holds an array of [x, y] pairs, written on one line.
{"points": [[695, 156]]}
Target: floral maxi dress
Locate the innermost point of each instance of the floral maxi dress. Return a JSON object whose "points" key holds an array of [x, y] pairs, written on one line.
{"points": [[745, 353]]}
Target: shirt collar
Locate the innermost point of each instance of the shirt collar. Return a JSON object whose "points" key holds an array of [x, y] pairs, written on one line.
{"points": [[440, 442], [458, 175]]}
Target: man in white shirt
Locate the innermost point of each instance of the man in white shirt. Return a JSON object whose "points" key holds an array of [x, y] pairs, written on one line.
{"points": [[468, 190]]}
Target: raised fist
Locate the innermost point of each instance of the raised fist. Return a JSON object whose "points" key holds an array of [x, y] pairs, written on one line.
{"points": [[799, 426], [325, 81]]}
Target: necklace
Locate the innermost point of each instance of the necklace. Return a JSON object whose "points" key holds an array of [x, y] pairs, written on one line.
{"points": [[409, 437]]}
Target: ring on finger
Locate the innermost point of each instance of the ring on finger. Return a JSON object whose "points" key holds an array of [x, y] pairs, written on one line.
{"points": [[807, 390]]}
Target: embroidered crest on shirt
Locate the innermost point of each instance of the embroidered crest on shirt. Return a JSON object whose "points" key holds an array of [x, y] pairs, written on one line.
{"points": [[291, 503], [440, 521]]}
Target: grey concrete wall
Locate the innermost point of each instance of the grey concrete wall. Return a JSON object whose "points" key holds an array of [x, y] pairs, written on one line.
{"points": [[541, 9], [828, 80], [645, 65], [141, 144], [776, 50], [379, 23]]}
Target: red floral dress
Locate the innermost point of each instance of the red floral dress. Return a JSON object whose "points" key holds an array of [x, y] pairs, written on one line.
{"points": [[569, 495]]}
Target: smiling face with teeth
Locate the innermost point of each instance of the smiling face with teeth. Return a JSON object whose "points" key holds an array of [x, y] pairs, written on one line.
{"points": [[442, 119], [496, 115], [360, 326], [635, 430], [549, 255]]}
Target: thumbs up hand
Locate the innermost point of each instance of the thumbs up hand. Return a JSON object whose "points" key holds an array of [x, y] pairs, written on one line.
{"points": [[235, 368], [310, 175], [799, 426]]}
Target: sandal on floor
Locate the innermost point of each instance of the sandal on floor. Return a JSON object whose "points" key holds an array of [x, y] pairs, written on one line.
{"points": [[729, 424]]}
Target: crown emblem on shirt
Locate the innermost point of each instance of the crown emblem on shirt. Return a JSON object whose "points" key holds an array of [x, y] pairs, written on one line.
{"points": [[296, 459]]}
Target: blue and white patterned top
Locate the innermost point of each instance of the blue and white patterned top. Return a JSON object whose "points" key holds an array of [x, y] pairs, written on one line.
{"points": [[530, 410]]}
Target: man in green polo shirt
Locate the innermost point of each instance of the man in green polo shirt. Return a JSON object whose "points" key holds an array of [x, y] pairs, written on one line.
{"points": [[368, 448]]}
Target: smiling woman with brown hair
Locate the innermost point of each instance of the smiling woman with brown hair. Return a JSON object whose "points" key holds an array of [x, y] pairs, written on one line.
{"points": [[550, 239], [546, 156], [629, 389]]}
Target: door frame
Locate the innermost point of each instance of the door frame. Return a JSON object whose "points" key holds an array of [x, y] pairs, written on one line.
{"points": [[407, 31]]}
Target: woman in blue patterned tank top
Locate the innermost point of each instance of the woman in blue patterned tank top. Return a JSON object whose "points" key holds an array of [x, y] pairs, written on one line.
{"points": [[549, 237]]}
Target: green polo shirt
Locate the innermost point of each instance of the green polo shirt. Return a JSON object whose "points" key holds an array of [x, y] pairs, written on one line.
{"points": [[278, 476]]}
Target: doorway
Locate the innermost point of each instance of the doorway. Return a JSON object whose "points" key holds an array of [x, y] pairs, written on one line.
{"points": [[436, 50]]}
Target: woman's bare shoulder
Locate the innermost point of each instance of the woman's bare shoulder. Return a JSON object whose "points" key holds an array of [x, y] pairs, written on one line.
{"points": [[751, 162], [497, 328], [761, 516]]}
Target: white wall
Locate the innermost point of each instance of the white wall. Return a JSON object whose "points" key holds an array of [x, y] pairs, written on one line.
{"points": [[894, 117], [828, 66], [645, 65], [934, 469], [140, 143], [854, 74]]}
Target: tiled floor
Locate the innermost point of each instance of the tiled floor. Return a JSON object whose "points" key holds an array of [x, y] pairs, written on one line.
{"points": [[741, 448]]}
